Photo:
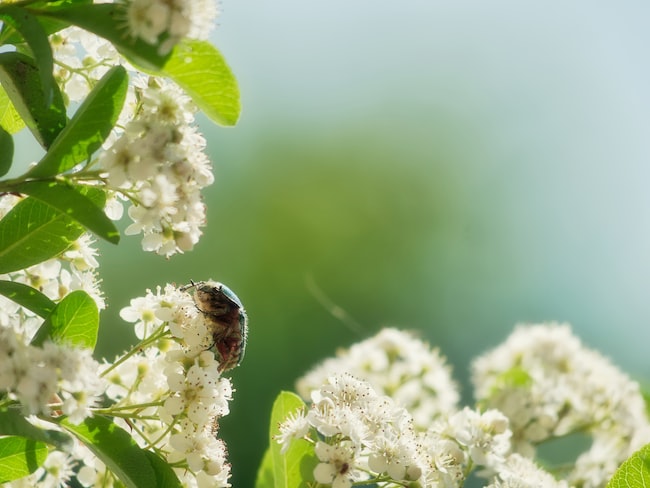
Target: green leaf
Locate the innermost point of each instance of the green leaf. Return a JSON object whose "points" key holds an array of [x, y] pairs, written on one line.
{"points": [[296, 466], [114, 447], [199, 68], [265, 472], [6, 151], [109, 21], [10, 119], [88, 128], [20, 457], [27, 297], [633, 473], [33, 232], [36, 38], [74, 321], [21, 79], [69, 200], [12, 422]]}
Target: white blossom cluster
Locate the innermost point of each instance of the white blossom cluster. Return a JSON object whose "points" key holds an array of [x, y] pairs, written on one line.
{"points": [[549, 385], [173, 383], [80, 59], [169, 21], [51, 377], [48, 379], [397, 364], [360, 435], [160, 164], [155, 157]]}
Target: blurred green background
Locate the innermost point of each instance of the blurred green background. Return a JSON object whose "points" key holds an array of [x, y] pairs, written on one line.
{"points": [[450, 167]]}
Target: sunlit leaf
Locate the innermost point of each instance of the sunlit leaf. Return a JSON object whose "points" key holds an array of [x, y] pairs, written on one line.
{"points": [[199, 68], [88, 128], [633, 473], [74, 321], [28, 297], [10, 119], [70, 201], [20, 457], [36, 38], [33, 232], [21, 80], [118, 451]]}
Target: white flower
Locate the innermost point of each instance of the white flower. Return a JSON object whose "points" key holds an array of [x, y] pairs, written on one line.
{"points": [[336, 465], [549, 385], [397, 364], [295, 426], [521, 472]]}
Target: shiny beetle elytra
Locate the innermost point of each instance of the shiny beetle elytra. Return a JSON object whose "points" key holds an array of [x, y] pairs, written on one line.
{"points": [[227, 317]]}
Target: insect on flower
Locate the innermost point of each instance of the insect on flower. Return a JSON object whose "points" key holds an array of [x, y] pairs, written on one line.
{"points": [[227, 317]]}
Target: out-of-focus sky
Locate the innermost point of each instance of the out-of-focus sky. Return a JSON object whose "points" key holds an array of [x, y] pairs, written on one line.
{"points": [[545, 106]]}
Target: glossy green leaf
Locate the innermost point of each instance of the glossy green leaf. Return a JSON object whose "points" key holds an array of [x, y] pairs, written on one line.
{"points": [[295, 467], [33, 232], [265, 472], [28, 297], [74, 321], [12, 422], [10, 119], [34, 35], [114, 447], [20, 457], [88, 128], [635, 472], [108, 20], [199, 68], [21, 79], [6, 151], [69, 200]]}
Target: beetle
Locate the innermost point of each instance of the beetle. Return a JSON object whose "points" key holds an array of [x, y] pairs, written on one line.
{"points": [[227, 317]]}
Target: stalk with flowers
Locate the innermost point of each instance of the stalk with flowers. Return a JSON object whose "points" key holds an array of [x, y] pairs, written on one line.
{"points": [[109, 91]]}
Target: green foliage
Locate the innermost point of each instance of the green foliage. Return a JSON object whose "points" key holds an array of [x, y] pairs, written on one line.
{"points": [[27, 297], [69, 199], [64, 197], [133, 466], [10, 119], [91, 124], [43, 114], [74, 321], [292, 468], [633, 473], [107, 21], [6, 151], [33, 232], [34, 35], [13, 422], [20, 457], [199, 68]]}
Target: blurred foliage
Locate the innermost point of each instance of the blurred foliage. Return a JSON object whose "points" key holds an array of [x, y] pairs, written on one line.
{"points": [[349, 219]]}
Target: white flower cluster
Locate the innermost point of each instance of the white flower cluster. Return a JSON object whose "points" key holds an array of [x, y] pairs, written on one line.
{"points": [[36, 375], [549, 385], [397, 364], [81, 58], [48, 379], [170, 20], [155, 157], [160, 164], [362, 436], [174, 384]]}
